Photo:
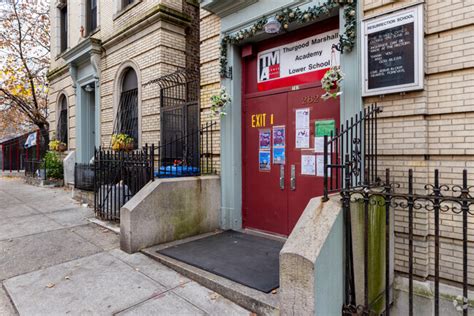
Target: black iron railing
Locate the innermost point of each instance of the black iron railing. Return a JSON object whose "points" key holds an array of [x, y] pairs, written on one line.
{"points": [[353, 145], [35, 169], [189, 155], [118, 176], [84, 177], [447, 200]]}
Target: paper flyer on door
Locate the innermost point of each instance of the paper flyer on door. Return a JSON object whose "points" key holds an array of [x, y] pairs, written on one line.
{"points": [[320, 165], [302, 128], [308, 165], [323, 128], [302, 138]]}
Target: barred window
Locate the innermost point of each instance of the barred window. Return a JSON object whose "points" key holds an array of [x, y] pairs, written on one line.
{"points": [[91, 16], [63, 26], [127, 114], [62, 121]]}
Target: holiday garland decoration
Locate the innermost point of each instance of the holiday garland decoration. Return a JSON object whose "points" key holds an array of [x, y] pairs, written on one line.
{"points": [[288, 16]]}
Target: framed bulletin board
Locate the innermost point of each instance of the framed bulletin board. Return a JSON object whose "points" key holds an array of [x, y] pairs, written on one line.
{"points": [[392, 52]]}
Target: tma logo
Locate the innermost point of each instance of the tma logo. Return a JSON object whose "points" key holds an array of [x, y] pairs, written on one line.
{"points": [[269, 65]]}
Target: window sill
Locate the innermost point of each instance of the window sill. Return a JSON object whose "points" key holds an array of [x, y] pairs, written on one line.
{"points": [[93, 32], [126, 9], [60, 55]]}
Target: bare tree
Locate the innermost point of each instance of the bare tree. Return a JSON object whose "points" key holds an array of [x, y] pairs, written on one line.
{"points": [[24, 63]]}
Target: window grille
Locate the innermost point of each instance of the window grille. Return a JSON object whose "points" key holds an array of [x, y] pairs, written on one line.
{"points": [[126, 121], [63, 26], [92, 15], [179, 111], [62, 122]]}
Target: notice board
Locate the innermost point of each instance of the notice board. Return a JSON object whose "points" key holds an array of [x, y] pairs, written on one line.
{"points": [[393, 52]]}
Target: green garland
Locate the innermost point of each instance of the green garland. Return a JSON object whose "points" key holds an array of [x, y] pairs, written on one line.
{"points": [[288, 16]]}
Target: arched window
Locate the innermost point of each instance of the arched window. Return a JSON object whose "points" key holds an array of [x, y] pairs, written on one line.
{"points": [[127, 114], [62, 120]]}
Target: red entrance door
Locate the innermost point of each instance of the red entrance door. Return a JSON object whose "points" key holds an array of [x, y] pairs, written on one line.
{"points": [[265, 200], [275, 189], [306, 187], [275, 194]]}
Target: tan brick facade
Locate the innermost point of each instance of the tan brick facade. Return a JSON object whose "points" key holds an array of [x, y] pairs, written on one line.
{"points": [[432, 129], [210, 78], [148, 35]]}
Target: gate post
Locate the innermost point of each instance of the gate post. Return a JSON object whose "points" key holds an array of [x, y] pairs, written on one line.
{"points": [[350, 299]]}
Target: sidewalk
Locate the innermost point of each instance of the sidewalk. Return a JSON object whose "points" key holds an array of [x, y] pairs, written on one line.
{"points": [[54, 262]]}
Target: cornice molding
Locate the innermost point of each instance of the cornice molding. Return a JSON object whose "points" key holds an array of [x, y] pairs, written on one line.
{"points": [[158, 13], [223, 8]]}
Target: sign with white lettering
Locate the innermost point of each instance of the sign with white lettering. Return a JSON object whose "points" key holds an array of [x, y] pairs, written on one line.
{"points": [[304, 61], [393, 52]]}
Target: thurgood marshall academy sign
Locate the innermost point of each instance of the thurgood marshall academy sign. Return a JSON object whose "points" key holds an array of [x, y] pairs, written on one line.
{"points": [[304, 61], [393, 52]]}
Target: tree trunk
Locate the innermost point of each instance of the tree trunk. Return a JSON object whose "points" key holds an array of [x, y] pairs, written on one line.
{"points": [[43, 142]]}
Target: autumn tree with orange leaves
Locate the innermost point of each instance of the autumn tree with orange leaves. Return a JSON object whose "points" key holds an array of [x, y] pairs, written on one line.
{"points": [[24, 63]]}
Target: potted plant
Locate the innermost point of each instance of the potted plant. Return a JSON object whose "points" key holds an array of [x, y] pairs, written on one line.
{"points": [[331, 83], [122, 142], [219, 102], [57, 145]]}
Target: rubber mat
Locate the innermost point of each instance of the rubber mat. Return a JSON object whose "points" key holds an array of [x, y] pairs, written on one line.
{"points": [[247, 259]]}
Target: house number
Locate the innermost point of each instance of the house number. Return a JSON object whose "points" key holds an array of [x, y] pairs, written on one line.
{"points": [[310, 99]]}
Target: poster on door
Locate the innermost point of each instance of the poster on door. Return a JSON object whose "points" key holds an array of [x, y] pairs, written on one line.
{"points": [[302, 128], [264, 139], [264, 163], [298, 62], [279, 144]]}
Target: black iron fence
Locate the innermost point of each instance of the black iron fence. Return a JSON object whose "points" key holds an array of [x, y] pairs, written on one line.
{"points": [[118, 176], [35, 169], [84, 176], [438, 199], [353, 147], [189, 155]]}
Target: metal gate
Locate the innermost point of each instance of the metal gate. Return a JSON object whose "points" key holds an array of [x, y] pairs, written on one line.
{"points": [[179, 111], [353, 173], [118, 176]]}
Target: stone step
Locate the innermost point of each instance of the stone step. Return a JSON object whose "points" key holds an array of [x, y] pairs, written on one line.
{"points": [[251, 299]]}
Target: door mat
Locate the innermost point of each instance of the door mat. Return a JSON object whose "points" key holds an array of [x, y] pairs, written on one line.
{"points": [[247, 259]]}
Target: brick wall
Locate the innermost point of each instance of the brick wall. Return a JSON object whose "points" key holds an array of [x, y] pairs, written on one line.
{"points": [[154, 50], [210, 78], [432, 129], [58, 86]]}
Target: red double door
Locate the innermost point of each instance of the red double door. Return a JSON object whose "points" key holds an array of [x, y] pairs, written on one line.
{"points": [[275, 195]]}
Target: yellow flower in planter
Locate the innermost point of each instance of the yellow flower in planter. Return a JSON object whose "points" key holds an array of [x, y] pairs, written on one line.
{"points": [[56, 145], [122, 142]]}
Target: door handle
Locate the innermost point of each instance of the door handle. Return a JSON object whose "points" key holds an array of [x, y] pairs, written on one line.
{"points": [[282, 177], [293, 178]]}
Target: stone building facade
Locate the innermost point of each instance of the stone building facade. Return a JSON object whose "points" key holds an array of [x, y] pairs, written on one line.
{"points": [[102, 41], [432, 129], [422, 130], [209, 72]]}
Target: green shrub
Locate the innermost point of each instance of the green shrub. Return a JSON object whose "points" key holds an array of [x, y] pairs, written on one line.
{"points": [[54, 165]]}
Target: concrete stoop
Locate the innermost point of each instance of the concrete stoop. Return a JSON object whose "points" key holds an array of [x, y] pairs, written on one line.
{"points": [[251, 299]]}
